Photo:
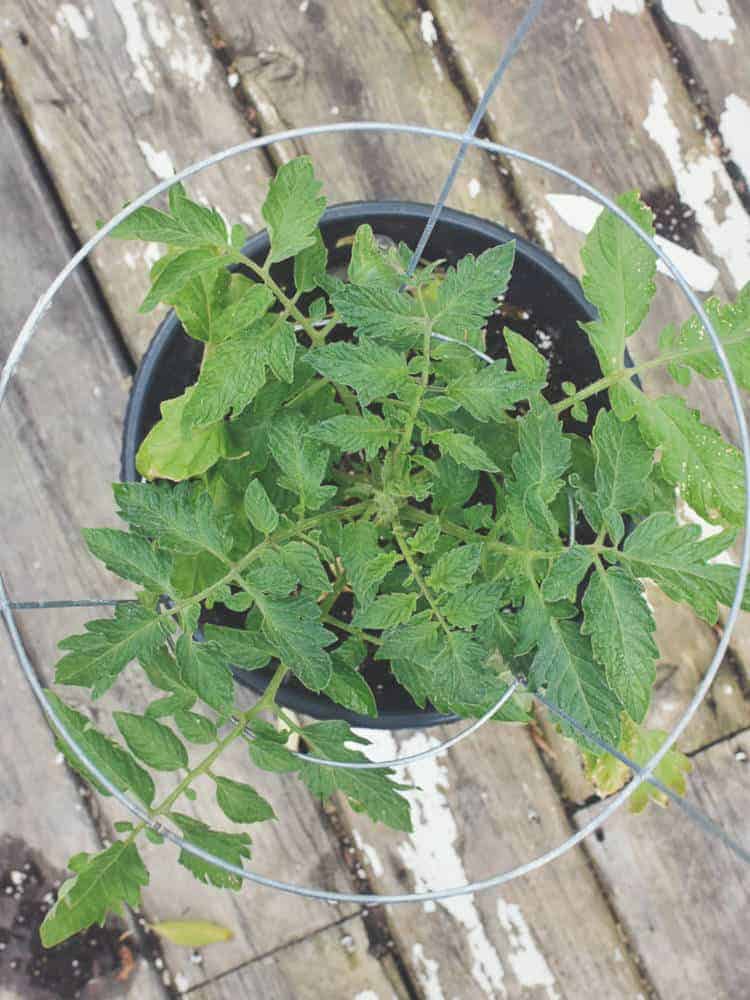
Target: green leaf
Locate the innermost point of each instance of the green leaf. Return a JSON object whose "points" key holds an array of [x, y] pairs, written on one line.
{"points": [[151, 742], [205, 671], [267, 754], [380, 313], [180, 519], [567, 572], [230, 847], [542, 458], [347, 687], [486, 394], [694, 457], [310, 265], [641, 745], [195, 728], [201, 301], [189, 224], [292, 626], [369, 265], [622, 467], [455, 568], [371, 791], [366, 433], [97, 657], [366, 564], [676, 558], [102, 883], [525, 357], [564, 666], [115, 763], [239, 647], [386, 611], [302, 463], [293, 208], [241, 803], [169, 451], [234, 370], [472, 605], [130, 557], [460, 679], [374, 371], [452, 484], [260, 511], [619, 280], [302, 561], [462, 449], [180, 268], [620, 623], [191, 933], [469, 292]]}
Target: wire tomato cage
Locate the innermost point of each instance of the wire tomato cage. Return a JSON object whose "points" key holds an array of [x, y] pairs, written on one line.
{"points": [[641, 773]]}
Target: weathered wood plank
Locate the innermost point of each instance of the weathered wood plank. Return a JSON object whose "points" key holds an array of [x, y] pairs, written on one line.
{"points": [[480, 809], [39, 802], [59, 452], [118, 95], [683, 897], [304, 63], [334, 962]]}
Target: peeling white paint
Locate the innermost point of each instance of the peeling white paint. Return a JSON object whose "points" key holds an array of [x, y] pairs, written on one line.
{"points": [[474, 187], [159, 32], [581, 212], [70, 16], [303, 6], [526, 960], [427, 28], [427, 974], [686, 515], [700, 182], [605, 8], [734, 126], [366, 995], [136, 45], [372, 856], [233, 79], [159, 162], [437, 67], [430, 854], [544, 228], [710, 19]]}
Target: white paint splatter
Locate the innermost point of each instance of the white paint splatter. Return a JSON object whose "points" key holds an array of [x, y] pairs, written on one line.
{"points": [[233, 79], [71, 17], [734, 126], [700, 183], [135, 43], [437, 67], [711, 19], [159, 32], [581, 212], [605, 8], [430, 854], [544, 227], [367, 995], [372, 856], [335, 110], [526, 960], [427, 974], [474, 187], [303, 6], [427, 28], [159, 162]]}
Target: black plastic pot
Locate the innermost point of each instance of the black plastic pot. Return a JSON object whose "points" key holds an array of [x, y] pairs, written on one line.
{"points": [[544, 302]]}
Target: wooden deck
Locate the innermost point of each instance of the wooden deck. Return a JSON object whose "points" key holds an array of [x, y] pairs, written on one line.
{"points": [[101, 99]]}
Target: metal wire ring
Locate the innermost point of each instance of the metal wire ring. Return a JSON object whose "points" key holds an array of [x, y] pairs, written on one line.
{"points": [[501, 878]]}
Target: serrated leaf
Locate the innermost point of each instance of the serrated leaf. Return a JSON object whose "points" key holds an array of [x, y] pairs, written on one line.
{"points": [[151, 741], [386, 611], [369, 265], [191, 933], [488, 393], [302, 561], [188, 225], [169, 451], [538, 465], [293, 208], [347, 687], [260, 511], [462, 449], [366, 564], [379, 313], [130, 557], [200, 301], [567, 572], [102, 884], [676, 558], [455, 568], [239, 647], [292, 626], [618, 280], [564, 666], [180, 519], [526, 359], [641, 745], [195, 728], [96, 658], [622, 467], [247, 303], [267, 754], [205, 671], [241, 803], [460, 679], [310, 265], [115, 763], [620, 623], [469, 292], [302, 463], [178, 270], [349, 433], [471, 605], [373, 370], [230, 847], [452, 484]]}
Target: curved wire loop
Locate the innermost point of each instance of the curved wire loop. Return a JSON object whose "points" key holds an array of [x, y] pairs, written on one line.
{"points": [[640, 774]]}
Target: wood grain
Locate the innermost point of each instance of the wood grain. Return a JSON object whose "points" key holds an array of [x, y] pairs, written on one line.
{"points": [[114, 106], [481, 809], [693, 946]]}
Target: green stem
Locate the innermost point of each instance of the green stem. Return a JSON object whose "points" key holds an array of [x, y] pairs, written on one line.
{"points": [[264, 275], [418, 579]]}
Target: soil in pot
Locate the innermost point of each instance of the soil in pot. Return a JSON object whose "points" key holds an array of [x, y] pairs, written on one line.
{"points": [[544, 303]]}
